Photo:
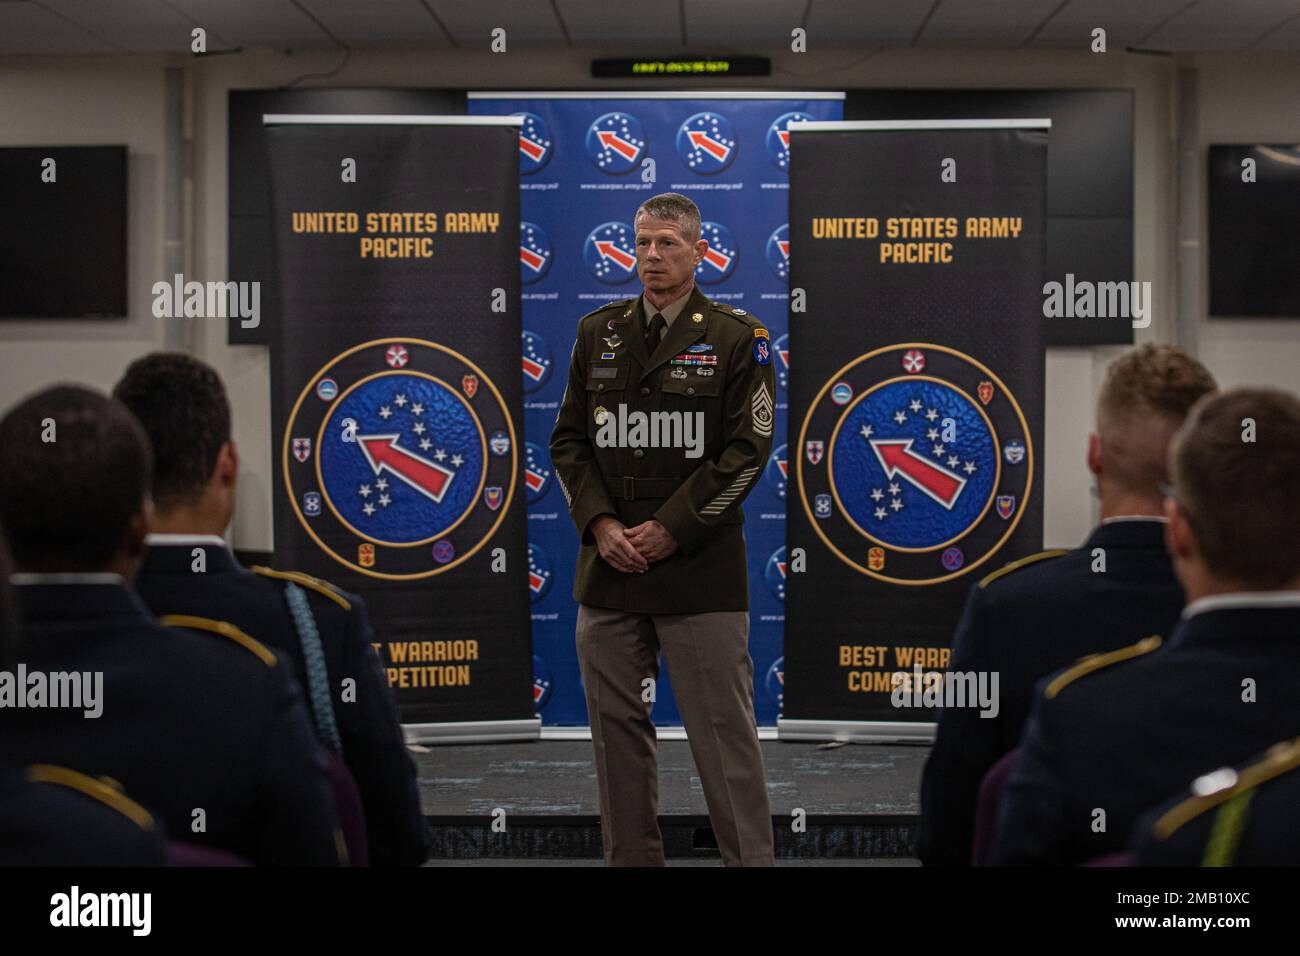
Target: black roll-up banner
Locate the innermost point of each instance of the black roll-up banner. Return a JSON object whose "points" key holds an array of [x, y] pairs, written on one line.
{"points": [[916, 400], [397, 396]]}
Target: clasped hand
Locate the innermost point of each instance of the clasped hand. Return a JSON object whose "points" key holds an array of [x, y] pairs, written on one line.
{"points": [[631, 550]]}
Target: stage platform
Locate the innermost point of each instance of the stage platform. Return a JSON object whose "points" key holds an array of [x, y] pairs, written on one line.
{"points": [[860, 802]]}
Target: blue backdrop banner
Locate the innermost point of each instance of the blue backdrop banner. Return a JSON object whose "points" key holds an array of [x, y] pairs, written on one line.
{"points": [[586, 161]]}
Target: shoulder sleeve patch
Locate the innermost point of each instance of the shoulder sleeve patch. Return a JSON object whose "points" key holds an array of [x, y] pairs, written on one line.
{"points": [[1219, 786], [1022, 563], [226, 630], [95, 789], [307, 581], [1095, 662]]}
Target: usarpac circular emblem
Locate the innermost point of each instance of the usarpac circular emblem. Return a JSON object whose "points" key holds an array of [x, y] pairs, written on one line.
{"points": [[901, 464], [410, 468]]}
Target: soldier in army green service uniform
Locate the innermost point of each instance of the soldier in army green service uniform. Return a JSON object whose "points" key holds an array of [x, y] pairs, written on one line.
{"points": [[665, 426]]}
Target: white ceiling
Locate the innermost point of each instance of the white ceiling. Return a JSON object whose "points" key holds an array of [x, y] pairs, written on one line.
{"points": [[626, 26]]}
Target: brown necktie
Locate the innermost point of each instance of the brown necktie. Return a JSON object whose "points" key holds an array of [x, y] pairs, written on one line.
{"points": [[653, 331]]}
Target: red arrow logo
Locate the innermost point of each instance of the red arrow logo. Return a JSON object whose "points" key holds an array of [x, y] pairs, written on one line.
{"points": [[611, 140], [896, 457], [424, 476], [716, 259], [702, 140], [533, 151], [531, 259], [611, 251], [534, 370]]}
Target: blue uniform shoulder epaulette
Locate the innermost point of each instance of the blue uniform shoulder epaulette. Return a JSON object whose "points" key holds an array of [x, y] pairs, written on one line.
{"points": [[1225, 784], [1219, 786], [95, 789], [1095, 662], [226, 630], [307, 581], [1022, 563]]}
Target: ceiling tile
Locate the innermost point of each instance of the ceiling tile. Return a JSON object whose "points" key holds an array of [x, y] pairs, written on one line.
{"points": [[27, 28], [1007, 23], [276, 24], [594, 22], [730, 24], [840, 22], [1285, 39], [135, 26], [1124, 21], [471, 23], [1221, 25], [379, 21]]}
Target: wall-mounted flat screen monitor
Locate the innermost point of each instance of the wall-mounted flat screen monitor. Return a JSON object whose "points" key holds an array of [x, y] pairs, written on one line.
{"points": [[1254, 230], [63, 232]]}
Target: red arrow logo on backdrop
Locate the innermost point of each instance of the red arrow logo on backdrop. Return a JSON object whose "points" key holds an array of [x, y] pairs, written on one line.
{"points": [[531, 259], [702, 140], [611, 140], [716, 259], [611, 251], [424, 476], [533, 151], [534, 370], [897, 458]]}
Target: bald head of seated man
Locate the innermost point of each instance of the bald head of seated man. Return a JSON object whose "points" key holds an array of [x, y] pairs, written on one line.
{"points": [[1043, 612], [1118, 733], [205, 726]]}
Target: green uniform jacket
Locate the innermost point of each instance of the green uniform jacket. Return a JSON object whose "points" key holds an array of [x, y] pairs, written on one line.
{"points": [[696, 499]]}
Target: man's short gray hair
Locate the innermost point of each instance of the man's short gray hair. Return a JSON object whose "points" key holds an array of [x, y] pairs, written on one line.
{"points": [[674, 208]]}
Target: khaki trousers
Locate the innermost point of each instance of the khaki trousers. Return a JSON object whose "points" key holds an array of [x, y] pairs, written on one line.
{"points": [[713, 681]]}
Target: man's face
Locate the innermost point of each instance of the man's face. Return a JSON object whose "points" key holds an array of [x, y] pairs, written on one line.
{"points": [[664, 259]]}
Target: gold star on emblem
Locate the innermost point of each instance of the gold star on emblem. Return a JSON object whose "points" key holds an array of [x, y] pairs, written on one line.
{"points": [[697, 318]]}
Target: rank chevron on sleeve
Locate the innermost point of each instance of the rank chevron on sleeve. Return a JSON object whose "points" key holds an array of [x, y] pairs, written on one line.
{"points": [[761, 406]]}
